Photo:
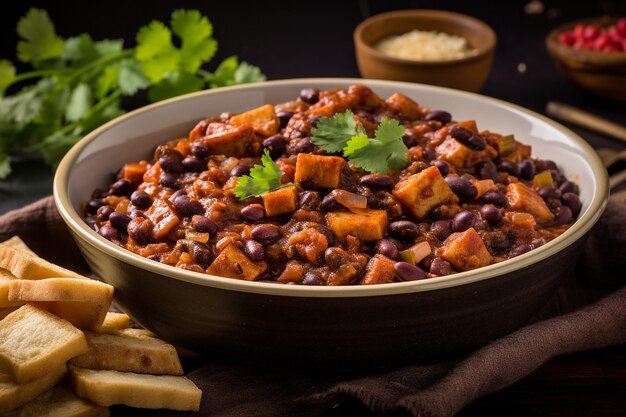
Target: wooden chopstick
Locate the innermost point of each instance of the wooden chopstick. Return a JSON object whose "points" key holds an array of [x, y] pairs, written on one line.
{"points": [[585, 119]]}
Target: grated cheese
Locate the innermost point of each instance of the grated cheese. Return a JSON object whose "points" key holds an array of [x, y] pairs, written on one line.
{"points": [[419, 45]]}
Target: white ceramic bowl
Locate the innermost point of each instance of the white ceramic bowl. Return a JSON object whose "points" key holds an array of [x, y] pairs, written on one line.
{"points": [[344, 323]]}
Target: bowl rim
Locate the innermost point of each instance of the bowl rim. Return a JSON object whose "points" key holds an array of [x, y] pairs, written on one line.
{"points": [[452, 16], [106, 248]]}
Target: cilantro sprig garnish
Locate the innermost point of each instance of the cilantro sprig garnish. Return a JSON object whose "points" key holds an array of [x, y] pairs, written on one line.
{"points": [[379, 154], [78, 83], [262, 179]]}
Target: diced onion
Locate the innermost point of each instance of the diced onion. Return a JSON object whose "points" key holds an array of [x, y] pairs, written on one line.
{"points": [[415, 253], [350, 200]]}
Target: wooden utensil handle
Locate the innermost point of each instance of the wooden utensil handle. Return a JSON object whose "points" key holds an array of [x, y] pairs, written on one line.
{"points": [[585, 119]]}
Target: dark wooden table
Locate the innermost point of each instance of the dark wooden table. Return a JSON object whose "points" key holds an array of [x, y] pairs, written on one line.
{"points": [[314, 39]]}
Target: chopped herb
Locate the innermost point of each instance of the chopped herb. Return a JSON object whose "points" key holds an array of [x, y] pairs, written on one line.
{"points": [[262, 179], [383, 152], [333, 133]]}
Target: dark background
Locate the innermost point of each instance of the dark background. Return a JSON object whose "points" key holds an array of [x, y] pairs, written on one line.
{"points": [[291, 39]]}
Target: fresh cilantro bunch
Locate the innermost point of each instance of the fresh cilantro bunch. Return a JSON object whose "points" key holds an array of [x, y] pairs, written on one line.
{"points": [[379, 154], [262, 179], [77, 83]]}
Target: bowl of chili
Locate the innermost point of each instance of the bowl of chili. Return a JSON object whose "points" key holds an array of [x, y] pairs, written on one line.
{"points": [[202, 306]]}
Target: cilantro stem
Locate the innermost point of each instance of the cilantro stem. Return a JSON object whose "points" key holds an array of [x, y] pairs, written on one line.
{"points": [[33, 74], [100, 62]]}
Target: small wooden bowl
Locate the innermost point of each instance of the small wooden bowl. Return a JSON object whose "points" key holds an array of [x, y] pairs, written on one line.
{"points": [[469, 73], [600, 73]]}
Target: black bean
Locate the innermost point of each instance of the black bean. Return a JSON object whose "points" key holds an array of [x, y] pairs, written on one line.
{"points": [[550, 165], [203, 224], [313, 120], [188, 207], [409, 140], [519, 250], [284, 117], [276, 145], [404, 229], [309, 200], [495, 197], [441, 229], [460, 133], [440, 267], [377, 181], [572, 201], [155, 257], [334, 257], [569, 187], [491, 214], [436, 213], [329, 203], [265, 232], [310, 95], [104, 212], [200, 254], [462, 221], [387, 247], [442, 166], [527, 170], [439, 115], [94, 205], [121, 187], [312, 278], [172, 162], [141, 199], [91, 221], [253, 213], [140, 230], [408, 272], [562, 215], [119, 221], [175, 195], [330, 236], [193, 164], [558, 177], [240, 170], [168, 179], [429, 154], [510, 167], [255, 250], [304, 145], [501, 244], [462, 187], [199, 150], [487, 170], [108, 232], [546, 192]]}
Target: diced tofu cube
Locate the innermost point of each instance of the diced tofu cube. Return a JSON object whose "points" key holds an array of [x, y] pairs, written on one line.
{"points": [[292, 273], [262, 119], [524, 198], [465, 250], [281, 201], [457, 154], [422, 192], [379, 270], [233, 263], [520, 153], [163, 217], [318, 171], [229, 140], [366, 224], [309, 243], [404, 105]]}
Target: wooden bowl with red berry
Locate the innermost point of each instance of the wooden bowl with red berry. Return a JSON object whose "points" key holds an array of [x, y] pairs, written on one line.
{"points": [[592, 54]]}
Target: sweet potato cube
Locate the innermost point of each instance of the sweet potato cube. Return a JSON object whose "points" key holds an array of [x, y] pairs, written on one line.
{"points": [[366, 224], [465, 250], [281, 201], [469, 125], [524, 198], [457, 154], [379, 270], [422, 192], [163, 217], [309, 243], [233, 263], [404, 105], [318, 171], [262, 119], [521, 152], [229, 140]]}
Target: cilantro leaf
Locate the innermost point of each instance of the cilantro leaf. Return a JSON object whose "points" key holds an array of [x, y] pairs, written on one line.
{"points": [[333, 133], [131, 78], [79, 50], [107, 81], [155, 51], [109, 46], [262, 179], [79, 103], [385, 151], [195, 32], [55, 146], [7, 74], [246, 73], [175, 84], [356, 142], [224, 73], [40, 42], [5, 166]]}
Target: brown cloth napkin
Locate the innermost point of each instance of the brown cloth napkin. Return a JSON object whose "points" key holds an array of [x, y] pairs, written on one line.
{"points": [[588, 312]]}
